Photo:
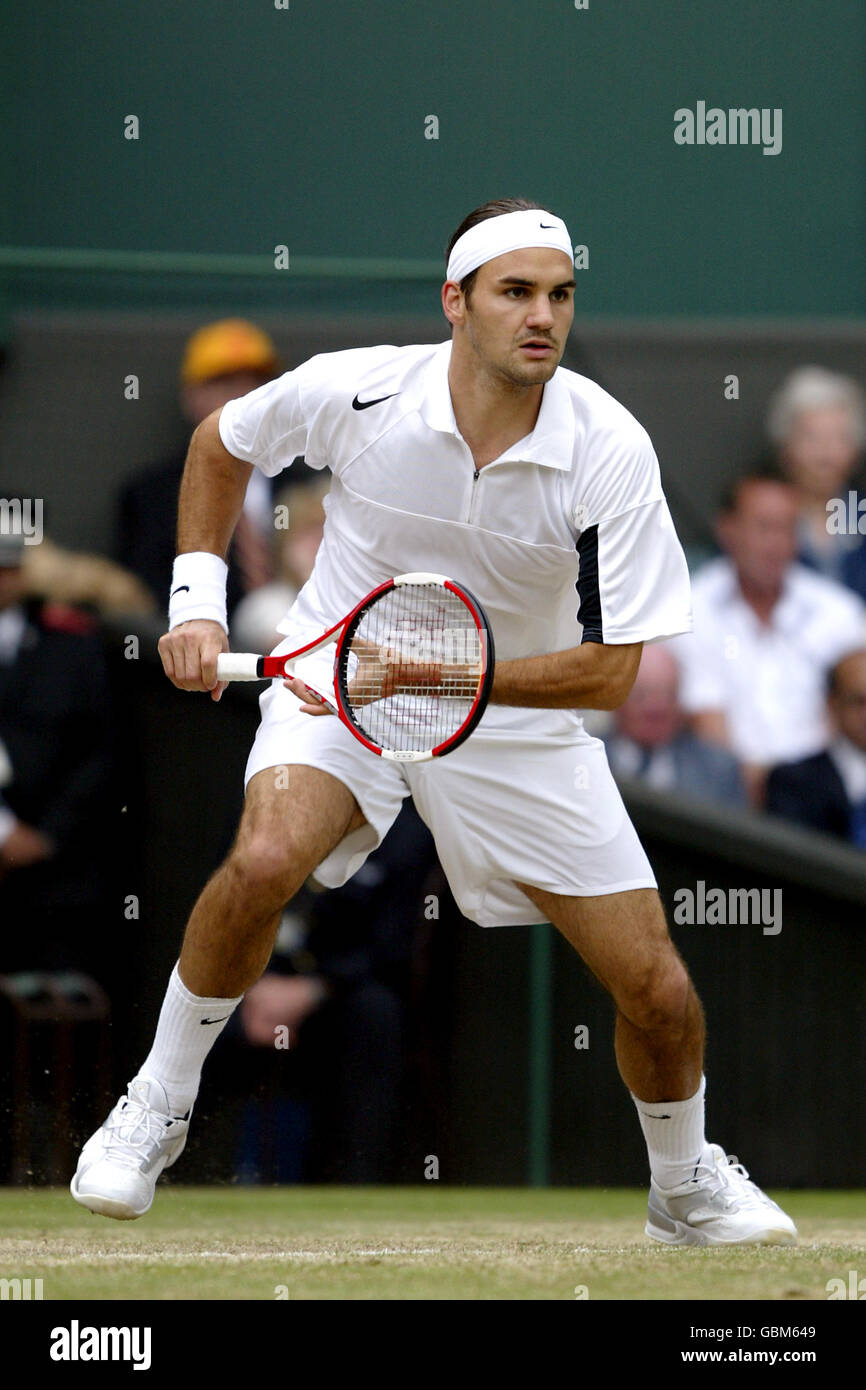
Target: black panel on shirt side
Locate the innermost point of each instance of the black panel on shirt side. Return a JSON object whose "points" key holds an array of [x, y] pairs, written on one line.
{"points": [[589, 610]]}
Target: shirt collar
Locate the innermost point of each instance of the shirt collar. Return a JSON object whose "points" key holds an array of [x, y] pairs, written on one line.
{"points": [[851, 765], [786, 613], [551, 443]]}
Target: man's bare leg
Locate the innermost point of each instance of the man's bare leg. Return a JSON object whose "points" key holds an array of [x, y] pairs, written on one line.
{"points": [[659, 1035], [697, 1195], [293, 817], [289, 825], [623, 938], [285, 832]]}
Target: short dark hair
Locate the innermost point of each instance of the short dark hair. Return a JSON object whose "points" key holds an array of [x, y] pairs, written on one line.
{"points": [[758, 473], [497, 207]]}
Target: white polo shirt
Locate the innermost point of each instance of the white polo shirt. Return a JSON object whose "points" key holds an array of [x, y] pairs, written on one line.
{"points": [[565, 537], [770, 681]]}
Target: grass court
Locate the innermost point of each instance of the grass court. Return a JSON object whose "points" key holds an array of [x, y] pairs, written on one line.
{"points": [[410, 1243]]}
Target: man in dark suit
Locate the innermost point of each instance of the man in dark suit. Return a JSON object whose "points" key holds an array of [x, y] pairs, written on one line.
{"points": [[55, 766], [828, 791], [649, 739]]}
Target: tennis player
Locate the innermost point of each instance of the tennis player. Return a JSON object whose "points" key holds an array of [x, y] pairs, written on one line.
{"points": [[484, 459]]}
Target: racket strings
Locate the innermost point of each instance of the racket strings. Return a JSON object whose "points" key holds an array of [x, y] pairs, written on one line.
{"points": [[413, 667]]}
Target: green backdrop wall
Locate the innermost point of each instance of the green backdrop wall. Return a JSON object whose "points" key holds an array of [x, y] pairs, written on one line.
{"points": [[305, 126]]}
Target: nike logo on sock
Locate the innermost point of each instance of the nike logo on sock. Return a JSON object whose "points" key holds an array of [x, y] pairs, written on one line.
{"points": [[214, 1020], [656, 1117]]}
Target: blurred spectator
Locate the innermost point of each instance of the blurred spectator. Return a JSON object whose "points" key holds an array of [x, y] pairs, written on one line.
{"points": [[74, 577], [766, 632], [817, 424], [649, 739], [254, 624], [221, 361], [339, 982], [55, 765], [828, 791]]}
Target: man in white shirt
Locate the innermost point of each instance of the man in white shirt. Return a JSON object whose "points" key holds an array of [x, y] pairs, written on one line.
{"points": [[766, 632], [482, 457]]}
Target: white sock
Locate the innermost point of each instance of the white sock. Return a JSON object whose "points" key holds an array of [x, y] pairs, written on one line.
{"points": [[674, 1134], [187, 1029]]}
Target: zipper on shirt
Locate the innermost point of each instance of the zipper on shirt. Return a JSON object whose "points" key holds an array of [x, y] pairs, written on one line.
{"points": [[475, 476]]}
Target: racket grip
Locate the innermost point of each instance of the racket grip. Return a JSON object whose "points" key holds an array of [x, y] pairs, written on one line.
{"points": [[239, 666]]}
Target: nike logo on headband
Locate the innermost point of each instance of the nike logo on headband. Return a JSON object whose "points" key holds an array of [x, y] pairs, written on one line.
{"points": [[365, 405], [548, 226]]}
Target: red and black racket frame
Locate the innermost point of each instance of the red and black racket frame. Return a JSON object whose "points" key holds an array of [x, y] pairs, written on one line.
{"points": [[479, 704], [274, 667]]}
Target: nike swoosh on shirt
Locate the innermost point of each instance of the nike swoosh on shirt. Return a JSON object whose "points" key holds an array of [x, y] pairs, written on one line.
{"points": [[214, 1020], [365, 405]]}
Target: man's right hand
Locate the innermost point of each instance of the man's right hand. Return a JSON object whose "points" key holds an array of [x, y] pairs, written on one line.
{"points": [[189, 655]]}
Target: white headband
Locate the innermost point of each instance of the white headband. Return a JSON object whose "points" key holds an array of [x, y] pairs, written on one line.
{"points": [[509, 232]]}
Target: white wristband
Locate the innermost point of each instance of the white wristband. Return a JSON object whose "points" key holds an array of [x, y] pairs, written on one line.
{"points": [[198, 589]]}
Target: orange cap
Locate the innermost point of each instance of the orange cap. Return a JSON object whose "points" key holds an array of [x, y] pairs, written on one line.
{"points": [[231, 345]]}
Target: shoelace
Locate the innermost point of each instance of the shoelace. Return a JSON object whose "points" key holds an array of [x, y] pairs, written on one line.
{"points": [[135, 1125], [730, 1181]]}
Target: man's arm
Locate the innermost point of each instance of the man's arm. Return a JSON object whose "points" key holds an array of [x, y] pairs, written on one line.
{"points": [[592, 676], [211, 500], [212, 492]]}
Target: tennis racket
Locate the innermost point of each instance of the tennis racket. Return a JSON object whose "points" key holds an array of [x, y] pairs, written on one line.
{"points": [[412, 670]]}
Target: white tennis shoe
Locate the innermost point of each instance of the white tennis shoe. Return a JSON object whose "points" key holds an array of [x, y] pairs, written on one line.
{"points": [[120, 1163], [718, 1206]]}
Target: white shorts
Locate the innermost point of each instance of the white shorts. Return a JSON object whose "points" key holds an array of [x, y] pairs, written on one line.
{"points": [[511, 803]]}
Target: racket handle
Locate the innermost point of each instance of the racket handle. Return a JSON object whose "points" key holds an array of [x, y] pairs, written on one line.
{"points": [[240, 666]]}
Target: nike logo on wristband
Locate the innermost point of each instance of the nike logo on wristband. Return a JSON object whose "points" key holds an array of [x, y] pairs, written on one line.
{"points": [[214, 1020], [180, 590]]}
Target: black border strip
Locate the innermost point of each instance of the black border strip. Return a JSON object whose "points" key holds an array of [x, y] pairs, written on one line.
{"points": [[589, 594]]}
